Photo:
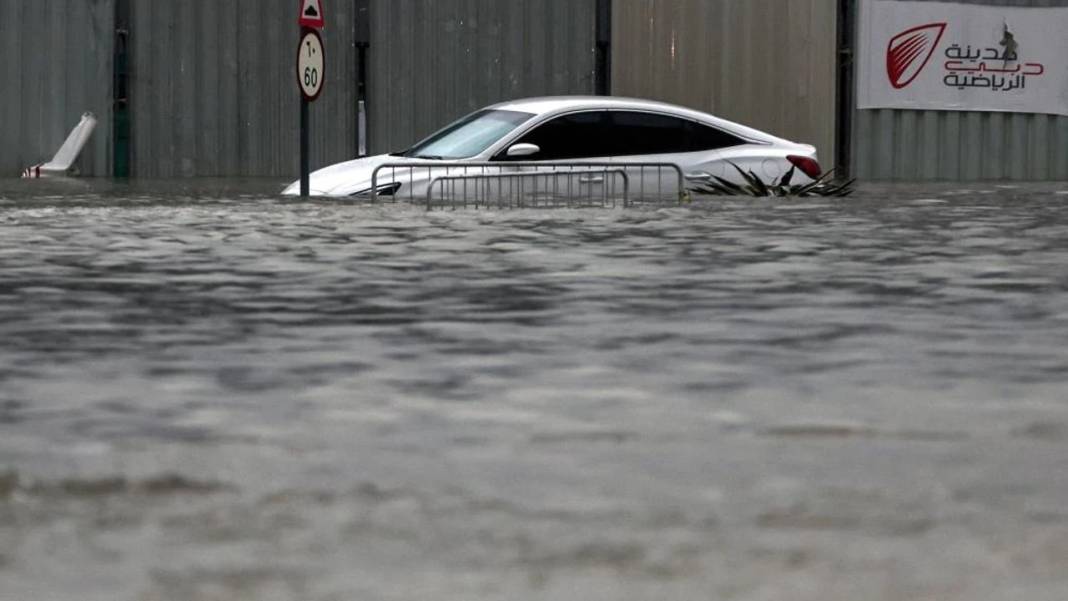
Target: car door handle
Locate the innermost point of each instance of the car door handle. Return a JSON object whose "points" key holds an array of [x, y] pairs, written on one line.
{"points": [[591, 179], [699, 176]]}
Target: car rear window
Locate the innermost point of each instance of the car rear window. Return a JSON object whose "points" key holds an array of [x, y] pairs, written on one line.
{"points": [[703, 137]]}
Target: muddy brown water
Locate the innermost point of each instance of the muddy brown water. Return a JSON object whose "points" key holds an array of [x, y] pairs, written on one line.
{"points": [[209, 393]]}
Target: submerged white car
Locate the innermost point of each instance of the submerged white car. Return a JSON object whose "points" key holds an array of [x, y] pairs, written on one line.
{"points": [[569, 130]]}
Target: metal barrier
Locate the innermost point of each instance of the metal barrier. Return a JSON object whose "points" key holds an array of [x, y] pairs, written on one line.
{"points": [[529, 183], [523, 189]]}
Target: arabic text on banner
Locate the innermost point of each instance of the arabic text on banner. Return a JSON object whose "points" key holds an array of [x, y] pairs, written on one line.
{"points": [[962, 57]]}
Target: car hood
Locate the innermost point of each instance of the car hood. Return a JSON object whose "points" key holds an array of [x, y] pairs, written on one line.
{"points": [[350, 177]]}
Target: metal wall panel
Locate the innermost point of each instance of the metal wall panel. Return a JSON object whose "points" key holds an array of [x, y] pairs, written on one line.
{"points": [[56, 65], [769, 64], [904, 145], [213, 90], [433, 61]]}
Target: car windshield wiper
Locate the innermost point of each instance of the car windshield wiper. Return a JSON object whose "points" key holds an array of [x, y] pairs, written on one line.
{"points": [[432, 157]]}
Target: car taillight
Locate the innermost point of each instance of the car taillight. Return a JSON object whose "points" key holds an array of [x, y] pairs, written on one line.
{"points": [[807, 166]]}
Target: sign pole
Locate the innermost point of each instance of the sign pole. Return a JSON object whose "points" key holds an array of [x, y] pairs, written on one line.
{"points": [[311, 73], [305, 163]]}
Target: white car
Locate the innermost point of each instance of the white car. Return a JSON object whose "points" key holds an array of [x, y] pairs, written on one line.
{"points": [[577, 129]]}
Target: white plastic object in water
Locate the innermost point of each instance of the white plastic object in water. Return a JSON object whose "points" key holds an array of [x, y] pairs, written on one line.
{"points": [[68, 152]]}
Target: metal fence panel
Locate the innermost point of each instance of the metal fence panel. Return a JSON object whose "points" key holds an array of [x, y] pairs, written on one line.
{"points": [[769, 64], [528, 183], [56, 65], [433, 61], [213, 90], [904, 145]]}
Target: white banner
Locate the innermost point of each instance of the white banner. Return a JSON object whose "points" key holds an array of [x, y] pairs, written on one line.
{"points": [[962, 57]]}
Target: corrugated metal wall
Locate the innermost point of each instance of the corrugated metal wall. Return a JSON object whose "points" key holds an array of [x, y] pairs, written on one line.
{"points": [[946, 145], [213, 90], [55, 61], [769, 64], [433, 61]]}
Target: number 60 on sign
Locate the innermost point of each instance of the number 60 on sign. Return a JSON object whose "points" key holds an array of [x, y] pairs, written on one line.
{"points": [[311, 60]]}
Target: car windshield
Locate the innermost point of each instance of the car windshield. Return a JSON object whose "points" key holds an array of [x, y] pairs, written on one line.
{"points": [[469, 136]]}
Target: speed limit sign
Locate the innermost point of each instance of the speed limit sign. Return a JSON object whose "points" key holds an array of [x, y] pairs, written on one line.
{"points": [[311, 61]]}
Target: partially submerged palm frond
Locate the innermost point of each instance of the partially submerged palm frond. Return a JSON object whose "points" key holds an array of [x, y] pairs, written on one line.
{"points": [[754, 186]]}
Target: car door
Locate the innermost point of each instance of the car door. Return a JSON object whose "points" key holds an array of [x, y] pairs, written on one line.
{"points": [[648, 137], [565, 143]]}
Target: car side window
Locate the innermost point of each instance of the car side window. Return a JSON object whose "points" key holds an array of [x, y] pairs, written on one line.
{"points": [[647, 133], [636, 133], [574, 136]]}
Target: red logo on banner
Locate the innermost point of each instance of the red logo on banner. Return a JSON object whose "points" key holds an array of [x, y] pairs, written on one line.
{"points": [[910, 51]]}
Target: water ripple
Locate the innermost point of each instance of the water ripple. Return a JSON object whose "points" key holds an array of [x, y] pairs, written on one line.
{"points": [[210, 392]]}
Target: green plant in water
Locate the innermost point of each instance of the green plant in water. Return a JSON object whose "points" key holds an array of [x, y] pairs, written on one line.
{"points": [[754, 186]]}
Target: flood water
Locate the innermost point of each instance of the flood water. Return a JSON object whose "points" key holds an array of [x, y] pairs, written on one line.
{"points": [[209, 393]]}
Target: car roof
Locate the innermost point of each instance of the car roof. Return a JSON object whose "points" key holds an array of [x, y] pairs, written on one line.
{"points": [[552, 104], [547, 105]]}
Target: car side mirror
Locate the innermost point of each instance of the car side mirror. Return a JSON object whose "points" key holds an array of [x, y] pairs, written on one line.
{"points": [[523, 150]]}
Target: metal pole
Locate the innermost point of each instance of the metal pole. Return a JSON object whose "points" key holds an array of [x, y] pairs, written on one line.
{"points": [[362, 27], [603, 48], [305, 180], [847, 23], [120, 128]]}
